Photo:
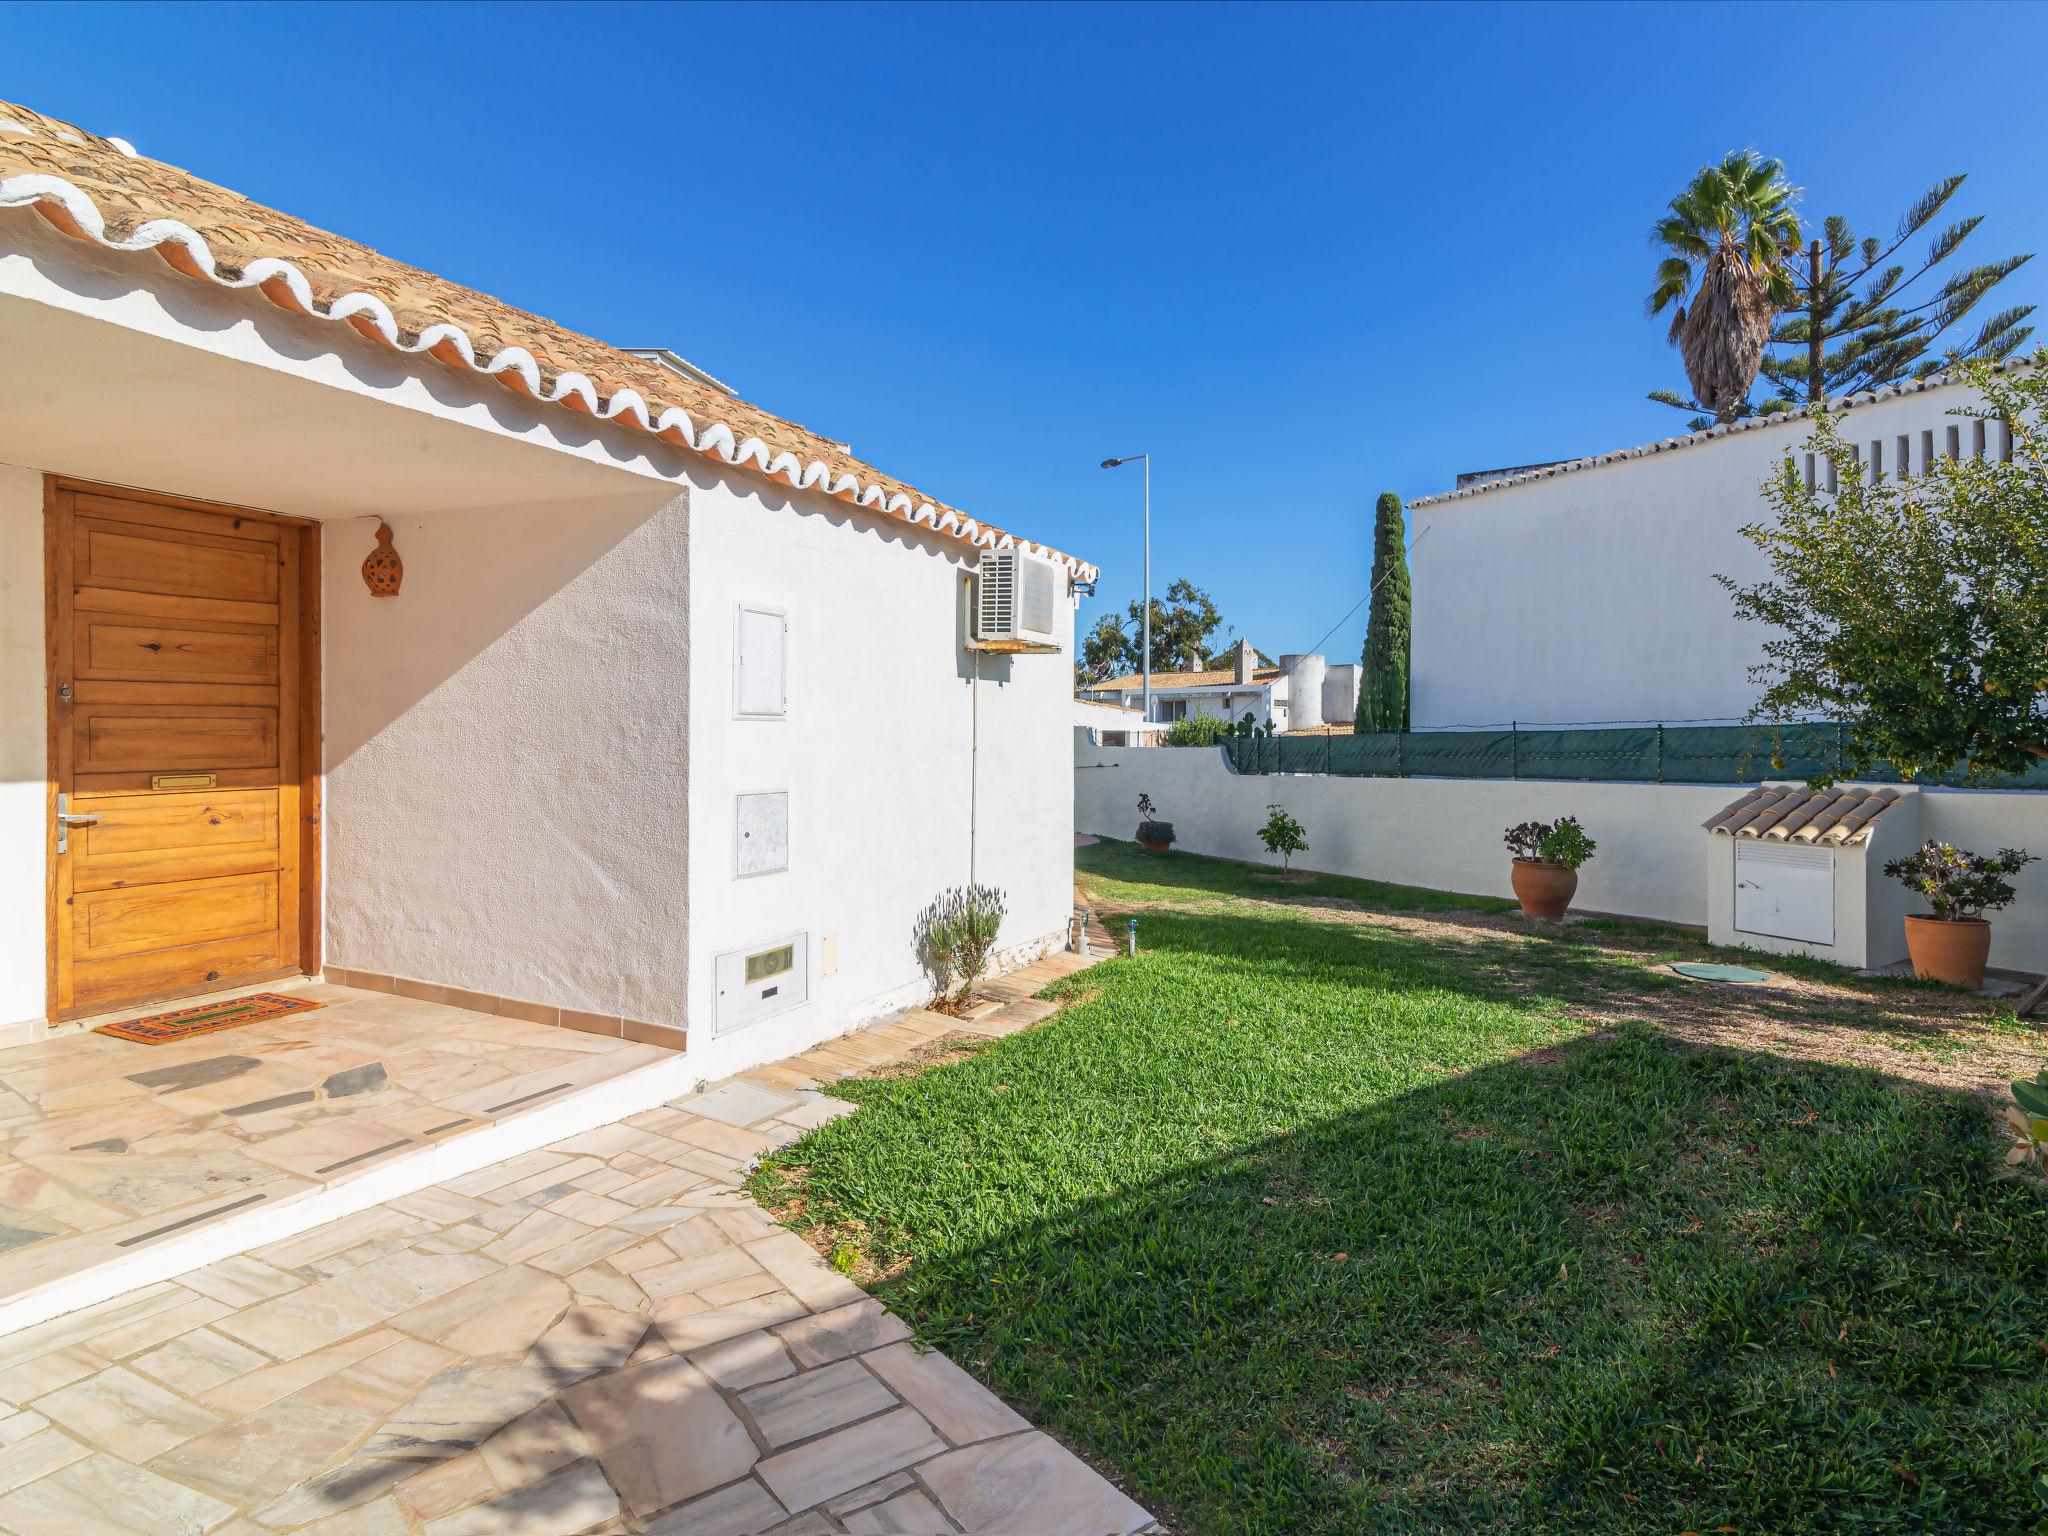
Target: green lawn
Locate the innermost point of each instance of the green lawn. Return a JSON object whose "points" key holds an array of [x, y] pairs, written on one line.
{"points": [[1297, 1223]]}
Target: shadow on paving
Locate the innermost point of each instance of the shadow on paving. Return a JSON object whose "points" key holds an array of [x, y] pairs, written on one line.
{"points": [[463, 1406], [1306, 1227]]}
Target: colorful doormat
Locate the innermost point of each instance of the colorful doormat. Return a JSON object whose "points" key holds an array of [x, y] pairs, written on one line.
{"points": [[205, 1018]]}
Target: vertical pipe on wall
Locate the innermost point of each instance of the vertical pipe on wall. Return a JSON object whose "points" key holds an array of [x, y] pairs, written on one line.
{"points": [[973, 766], [973, 762]]}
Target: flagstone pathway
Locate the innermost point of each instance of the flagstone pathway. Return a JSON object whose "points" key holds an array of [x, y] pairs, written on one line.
{"points": [[603, 1336]]}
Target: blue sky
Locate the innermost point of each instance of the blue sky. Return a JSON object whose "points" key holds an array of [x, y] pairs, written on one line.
{"points": [[1301, 255]]}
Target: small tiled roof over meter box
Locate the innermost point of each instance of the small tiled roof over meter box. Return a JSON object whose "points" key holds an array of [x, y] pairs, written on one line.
{"points": [[1828, 817]]}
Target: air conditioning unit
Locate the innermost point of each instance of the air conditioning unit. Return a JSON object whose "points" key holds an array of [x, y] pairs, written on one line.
{"points": [[1016, 598]]}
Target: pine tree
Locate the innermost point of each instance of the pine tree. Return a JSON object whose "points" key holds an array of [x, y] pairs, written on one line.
{"points": [[1837, 341], [1383, 674]]}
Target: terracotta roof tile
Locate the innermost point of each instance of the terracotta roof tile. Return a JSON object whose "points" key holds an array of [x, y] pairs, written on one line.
{"points": [[1215, 678], [1127, 709], [99, 190], [1788, 814]]}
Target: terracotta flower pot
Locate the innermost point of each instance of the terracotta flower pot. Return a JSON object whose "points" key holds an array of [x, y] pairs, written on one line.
{"points": [[1157, 847], [1950, 951], [1544, 890]]}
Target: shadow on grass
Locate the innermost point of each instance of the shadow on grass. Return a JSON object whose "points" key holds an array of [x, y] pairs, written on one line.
{"points": [[1307, 1227], [1110, 864], [1609, 964]]}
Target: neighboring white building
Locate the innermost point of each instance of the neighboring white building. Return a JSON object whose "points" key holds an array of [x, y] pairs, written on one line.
{"points": [[1114, 725], [1304, 692], [672, 685], [1584, 592]]}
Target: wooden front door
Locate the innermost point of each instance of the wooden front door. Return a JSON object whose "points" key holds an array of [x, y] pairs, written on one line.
{"points": [[177, 833]]}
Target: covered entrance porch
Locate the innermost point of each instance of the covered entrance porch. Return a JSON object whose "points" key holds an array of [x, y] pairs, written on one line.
{"points": [[222, 760], [123, 1163]]}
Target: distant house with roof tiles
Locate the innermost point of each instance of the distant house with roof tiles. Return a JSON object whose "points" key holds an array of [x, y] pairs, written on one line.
{"points": [[397, 633], [1303, 692]]}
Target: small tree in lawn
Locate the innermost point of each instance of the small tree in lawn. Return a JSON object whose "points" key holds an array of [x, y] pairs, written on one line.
{"points": [[1383, 669], [1283, 835], [1912, 610]]}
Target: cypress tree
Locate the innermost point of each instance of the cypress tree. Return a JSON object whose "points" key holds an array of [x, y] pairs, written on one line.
{"points": [[1383, 676]]}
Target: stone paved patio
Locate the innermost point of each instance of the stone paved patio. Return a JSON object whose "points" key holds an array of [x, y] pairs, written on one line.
{"points": [[107, 1145], [602, 1336]]}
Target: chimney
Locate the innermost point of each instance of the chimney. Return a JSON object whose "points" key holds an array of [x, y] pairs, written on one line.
{"points": [[1247, 661], [1305, 675]]}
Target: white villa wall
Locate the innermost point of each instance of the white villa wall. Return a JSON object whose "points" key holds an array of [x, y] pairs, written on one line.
{"points": [[1590, 596], [1445, 834], [24, 780], [507, 756], [876, 752]]}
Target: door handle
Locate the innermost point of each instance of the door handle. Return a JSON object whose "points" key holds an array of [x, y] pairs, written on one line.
{"points": [[66, 821]]}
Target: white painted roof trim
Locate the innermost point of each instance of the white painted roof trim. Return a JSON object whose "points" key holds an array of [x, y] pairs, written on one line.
{"points": [[185, 250], [1693, 439]]}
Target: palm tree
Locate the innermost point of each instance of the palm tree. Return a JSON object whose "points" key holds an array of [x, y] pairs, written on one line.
{"points": [[1729, 236]]}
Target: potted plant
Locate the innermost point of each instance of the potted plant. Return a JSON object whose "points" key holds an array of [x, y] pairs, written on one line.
{"points": [[1154, 835], [1545, 873], [1952, 943]]}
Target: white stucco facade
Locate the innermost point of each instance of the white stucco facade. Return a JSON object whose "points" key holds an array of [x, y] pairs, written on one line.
{"points": [[530, 755], [1265, 699], [904, 775], [1587, 596], [508, 756]]}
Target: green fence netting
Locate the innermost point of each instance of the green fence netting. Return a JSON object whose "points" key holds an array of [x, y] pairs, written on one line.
{"points": [[1644, 754]]}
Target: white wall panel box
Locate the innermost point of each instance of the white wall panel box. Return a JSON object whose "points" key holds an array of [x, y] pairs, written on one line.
{"points": [[756, 984], [760, 675], [761, 833]]}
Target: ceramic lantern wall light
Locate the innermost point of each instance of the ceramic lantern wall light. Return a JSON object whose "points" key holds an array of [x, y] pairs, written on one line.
{"points": [[382, 569]]}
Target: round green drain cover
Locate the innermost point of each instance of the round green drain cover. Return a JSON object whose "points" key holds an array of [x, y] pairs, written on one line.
{"points": [[1741, 975]]}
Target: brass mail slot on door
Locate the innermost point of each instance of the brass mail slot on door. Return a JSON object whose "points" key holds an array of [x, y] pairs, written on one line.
{"points": [[181, 781]]}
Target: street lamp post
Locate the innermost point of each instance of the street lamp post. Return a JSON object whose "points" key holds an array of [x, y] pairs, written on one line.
{"points": [[1146, 653]]}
